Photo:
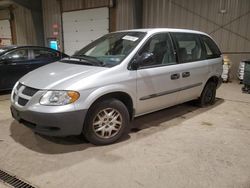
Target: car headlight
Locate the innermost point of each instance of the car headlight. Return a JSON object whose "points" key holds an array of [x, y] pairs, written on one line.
{"points": [[59, 98]]}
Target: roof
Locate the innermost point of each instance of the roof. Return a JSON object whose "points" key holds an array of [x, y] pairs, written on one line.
{"points": [[156, 30], [4, 49], [8, 47]]}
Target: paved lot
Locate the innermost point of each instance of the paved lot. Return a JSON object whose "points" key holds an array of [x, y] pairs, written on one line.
{"points": [[183, 146]]}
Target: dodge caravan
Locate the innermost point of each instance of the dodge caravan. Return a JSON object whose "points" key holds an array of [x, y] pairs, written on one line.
{"points": [[122, 75]]}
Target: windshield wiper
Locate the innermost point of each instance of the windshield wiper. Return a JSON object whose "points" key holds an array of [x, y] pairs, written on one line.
{"points": [[76, 62], [90, 59]]}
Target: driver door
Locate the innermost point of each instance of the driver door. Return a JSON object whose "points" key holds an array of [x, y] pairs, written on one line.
{"points": [[157, 81], [13, 66]]}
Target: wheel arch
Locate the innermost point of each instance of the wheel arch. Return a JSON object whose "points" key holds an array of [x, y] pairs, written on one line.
{"points": [[122, 96], [214, 79]]}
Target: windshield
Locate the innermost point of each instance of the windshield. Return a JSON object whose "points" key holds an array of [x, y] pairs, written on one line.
{"points": [[110, 49], [3, 49]]}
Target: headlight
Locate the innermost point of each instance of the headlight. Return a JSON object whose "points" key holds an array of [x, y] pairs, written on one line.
{"points": [[59, 98]]}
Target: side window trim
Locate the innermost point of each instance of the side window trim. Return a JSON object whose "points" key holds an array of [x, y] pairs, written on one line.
{"points": [[156, 66], [31, 54], [203, 49], [174, 44], [203, 46]]}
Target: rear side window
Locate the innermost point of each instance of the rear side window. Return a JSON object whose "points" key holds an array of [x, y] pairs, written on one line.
{"points": [[188, 46], [212, 50], [44, 54]]}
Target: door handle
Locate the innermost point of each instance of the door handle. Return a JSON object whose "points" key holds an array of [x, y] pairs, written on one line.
{"points": [[175, 76], [185, 74]]}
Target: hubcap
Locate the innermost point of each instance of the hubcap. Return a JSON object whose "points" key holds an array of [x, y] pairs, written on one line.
{"points": [[107, 123]]}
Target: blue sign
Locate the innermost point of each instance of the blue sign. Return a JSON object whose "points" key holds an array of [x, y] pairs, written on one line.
{"points": [[53, 44]]}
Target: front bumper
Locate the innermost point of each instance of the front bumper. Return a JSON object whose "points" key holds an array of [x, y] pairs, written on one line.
{"points": [[51, 124]]}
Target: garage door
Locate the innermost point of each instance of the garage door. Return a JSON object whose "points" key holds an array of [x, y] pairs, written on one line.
{"points": [[83, 26], [5, 32]]}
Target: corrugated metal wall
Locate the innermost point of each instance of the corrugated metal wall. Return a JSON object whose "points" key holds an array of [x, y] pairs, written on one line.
{"points": [[51, 15], [125, 14], [227, 21], [4, 14], [230, 29], [25, 27], [83, 4]]}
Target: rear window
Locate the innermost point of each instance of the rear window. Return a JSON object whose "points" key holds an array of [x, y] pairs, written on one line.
{"points": [[44, 54], [212, 50]]}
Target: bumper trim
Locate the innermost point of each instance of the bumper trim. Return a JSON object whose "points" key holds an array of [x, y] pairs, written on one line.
{"points": [[51, 124]]}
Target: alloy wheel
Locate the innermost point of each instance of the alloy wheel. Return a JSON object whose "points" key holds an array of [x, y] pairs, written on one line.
{"points": [[107, 123]]}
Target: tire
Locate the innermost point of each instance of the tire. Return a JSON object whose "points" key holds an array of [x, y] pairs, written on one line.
{"points": [[106, 122], [208, 95]]}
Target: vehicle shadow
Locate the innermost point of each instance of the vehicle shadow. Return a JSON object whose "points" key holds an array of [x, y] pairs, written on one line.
{"points": [[179, 113], [141, 127]]}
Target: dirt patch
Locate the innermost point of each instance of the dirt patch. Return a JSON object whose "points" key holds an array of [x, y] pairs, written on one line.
{"points": [[207, 123]]}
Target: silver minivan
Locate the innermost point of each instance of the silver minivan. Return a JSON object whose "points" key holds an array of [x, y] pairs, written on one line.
{"points": [[122, 75]]}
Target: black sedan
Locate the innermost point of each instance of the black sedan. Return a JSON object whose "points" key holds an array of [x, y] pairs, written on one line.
{"points": [[16, 61]]}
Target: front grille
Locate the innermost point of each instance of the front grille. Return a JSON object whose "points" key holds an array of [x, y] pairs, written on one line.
{"points": [[29, 91], [18, 86], [22, 94], [13, 181], [22, 101]]}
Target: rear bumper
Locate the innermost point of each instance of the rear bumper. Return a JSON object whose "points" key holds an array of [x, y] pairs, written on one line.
{"points": [[51, 124], [219, 82]]}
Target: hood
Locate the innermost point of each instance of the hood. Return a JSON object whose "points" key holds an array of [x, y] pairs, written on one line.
{"points": [[58, 75]]}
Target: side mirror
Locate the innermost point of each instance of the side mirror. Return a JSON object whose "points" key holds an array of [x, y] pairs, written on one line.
{"points": [[144, 59], [5, 60], [2, 60]]}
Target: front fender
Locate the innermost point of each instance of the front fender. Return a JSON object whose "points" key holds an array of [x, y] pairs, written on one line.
{"points": [[88, 97]]}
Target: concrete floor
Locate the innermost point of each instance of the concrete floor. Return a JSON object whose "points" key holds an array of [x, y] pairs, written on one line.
{"points": [[183, 146]]}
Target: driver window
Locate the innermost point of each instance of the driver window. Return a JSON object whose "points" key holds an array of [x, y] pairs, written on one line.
{"points": [[18, 55], [161, 47]]}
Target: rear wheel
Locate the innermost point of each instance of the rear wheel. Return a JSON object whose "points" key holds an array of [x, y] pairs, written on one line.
{"points": [[106, 122], [208, 95]]}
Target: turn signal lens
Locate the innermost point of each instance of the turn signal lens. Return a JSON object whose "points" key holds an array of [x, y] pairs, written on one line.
{"points": [[73, 96]]}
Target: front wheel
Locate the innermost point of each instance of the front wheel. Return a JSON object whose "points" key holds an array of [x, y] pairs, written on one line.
{"points": [[106, 122], [208, 95]]}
